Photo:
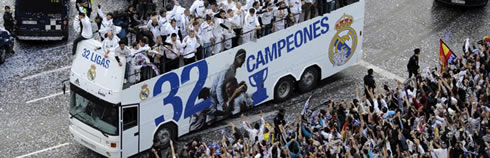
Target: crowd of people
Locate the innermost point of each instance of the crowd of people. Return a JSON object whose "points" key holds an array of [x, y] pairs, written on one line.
{"points": [[174, 35], [433, 113]]}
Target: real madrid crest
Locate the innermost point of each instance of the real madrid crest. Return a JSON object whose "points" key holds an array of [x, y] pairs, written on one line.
{"points": [[145, 92], [91, 73], [344, 42]]}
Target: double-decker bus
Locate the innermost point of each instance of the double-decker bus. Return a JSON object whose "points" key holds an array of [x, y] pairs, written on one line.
{"points": [[119, 121], [44, 20]]}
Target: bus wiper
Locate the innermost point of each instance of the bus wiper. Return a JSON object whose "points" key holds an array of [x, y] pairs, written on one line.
{"points": [[73, 115], [103, 133], [97, 127]]}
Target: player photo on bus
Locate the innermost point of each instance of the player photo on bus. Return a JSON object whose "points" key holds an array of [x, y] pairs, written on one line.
{"points": [[228, 96]]}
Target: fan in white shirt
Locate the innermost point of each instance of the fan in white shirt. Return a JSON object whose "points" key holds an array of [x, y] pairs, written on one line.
{"points": [[221, 30], [226, 4], [295, 6], [185, 21], [81, 24], [212, 10], [162, 18], [123, 52], [174, 51], [107, 24], [171, 29], [280, 15], [249, 4], [190, 44], [110, 43], [251, 23], [154, 27], [206, 36], [197, 9]]}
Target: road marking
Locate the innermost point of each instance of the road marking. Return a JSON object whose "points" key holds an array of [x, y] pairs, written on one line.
{"points": [[46, 72], [46, 97], [43, 150], [381, 71]]}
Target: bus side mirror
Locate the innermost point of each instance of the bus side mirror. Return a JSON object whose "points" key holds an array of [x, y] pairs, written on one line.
{"points": [[64, 86]]}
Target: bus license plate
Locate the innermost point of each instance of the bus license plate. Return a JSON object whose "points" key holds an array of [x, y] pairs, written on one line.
{"points": [[458, 1]]}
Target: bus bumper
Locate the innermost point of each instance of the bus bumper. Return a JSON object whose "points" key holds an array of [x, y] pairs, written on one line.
{"points": [[466, 3], [79, 136], [41, 38], [25, 34]]}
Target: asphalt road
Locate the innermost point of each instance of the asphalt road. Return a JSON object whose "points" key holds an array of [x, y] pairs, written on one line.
{"points": [[34, 114]]}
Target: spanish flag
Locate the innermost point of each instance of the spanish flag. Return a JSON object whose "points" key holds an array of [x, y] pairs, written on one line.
{"points": [[446, 56]]}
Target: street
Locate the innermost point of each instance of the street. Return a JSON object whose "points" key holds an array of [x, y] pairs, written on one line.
{"points": [[34, 111]]}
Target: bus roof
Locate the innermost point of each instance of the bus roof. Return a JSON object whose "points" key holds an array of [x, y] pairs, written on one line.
{"points": [[99, 76]]}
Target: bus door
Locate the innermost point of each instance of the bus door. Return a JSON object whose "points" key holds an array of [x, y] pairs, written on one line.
{"points": [[130, 130]]}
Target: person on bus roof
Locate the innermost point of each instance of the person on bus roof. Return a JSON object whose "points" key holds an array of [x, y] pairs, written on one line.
{"points": [[107, 23], [280, 15], [81, 24], [173, 53], [190, 44], [251, 23], [206, 36], [123, 52], [8, 20], [84, 6], [110, 43]]}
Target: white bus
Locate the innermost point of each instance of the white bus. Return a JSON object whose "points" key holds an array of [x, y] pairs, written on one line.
{"points": [[119, 122]]}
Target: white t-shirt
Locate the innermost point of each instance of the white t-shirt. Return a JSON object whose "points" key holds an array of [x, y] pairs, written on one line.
{"points": [[190, 46]]}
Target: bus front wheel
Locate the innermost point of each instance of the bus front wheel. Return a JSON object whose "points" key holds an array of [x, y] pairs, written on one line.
{"points": [[284, 89], [164, 135]]}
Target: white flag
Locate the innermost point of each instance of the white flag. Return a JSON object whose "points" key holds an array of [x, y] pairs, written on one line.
{"points": [[306, 106], [466, 45]]}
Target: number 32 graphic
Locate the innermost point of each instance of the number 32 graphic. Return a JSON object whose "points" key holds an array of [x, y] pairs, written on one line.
{"points": [[191, 107]]}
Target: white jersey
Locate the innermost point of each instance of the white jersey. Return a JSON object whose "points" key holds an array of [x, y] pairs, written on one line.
{"points": [[225, 5], [267, 16], [295, 6], [154, 29], [107, 24], [170, 30], [206, 32], [218, 29], [190, 46], [249, 4], [110, 44], [280, 16], [184, 22], [197, 8], [174, 50], [85, 27], [250, 23]]}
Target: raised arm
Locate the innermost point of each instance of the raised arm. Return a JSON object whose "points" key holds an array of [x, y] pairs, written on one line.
{"points": [[99, 11]]}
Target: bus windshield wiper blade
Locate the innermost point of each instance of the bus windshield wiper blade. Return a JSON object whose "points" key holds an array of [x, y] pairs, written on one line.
{"points": [[103, 133]]}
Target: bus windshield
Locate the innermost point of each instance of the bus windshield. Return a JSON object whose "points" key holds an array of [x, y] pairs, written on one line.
{"points": [[44, 6], [94, 112]]}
